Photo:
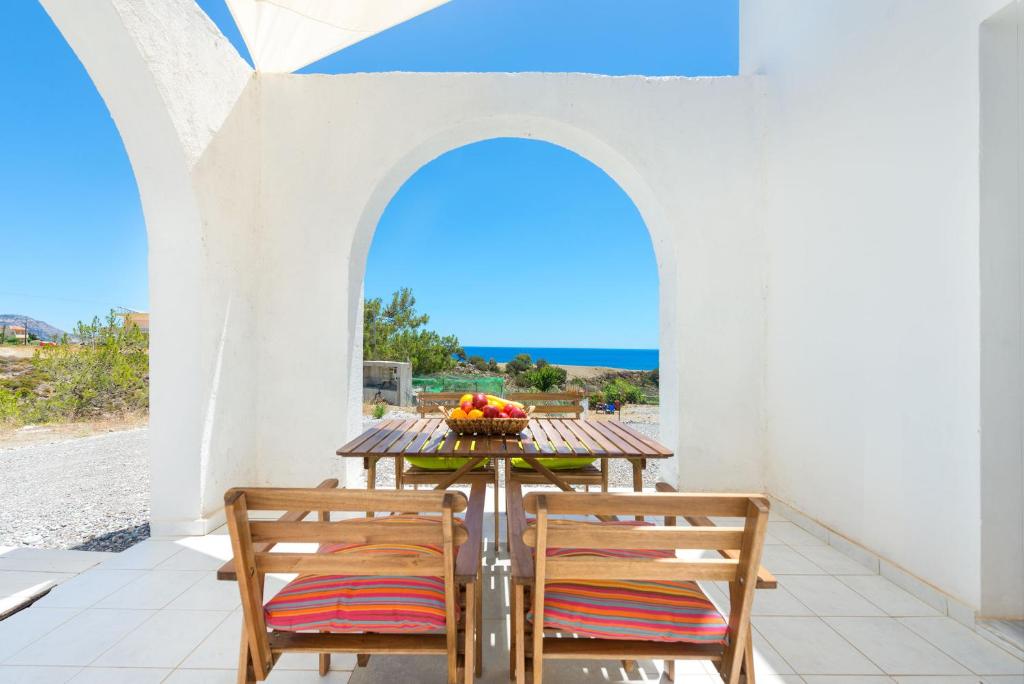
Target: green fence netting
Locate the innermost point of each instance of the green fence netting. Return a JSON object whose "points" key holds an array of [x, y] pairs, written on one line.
{"points": [[460, 383]]}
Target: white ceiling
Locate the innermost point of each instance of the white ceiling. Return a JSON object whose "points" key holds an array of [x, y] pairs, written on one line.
{"points": [[285, 35]]}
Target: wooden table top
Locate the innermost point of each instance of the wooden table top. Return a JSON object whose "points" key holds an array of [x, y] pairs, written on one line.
{"points": [[542, 437]]}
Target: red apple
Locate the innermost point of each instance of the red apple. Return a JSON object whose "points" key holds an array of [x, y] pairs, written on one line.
{"points": [[479, 400], [490, 411], [503, 413], [466, 406], [516, 412]]}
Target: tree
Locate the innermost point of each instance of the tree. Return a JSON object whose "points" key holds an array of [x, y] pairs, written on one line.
{"points": [[623, 391], [394, 333]]}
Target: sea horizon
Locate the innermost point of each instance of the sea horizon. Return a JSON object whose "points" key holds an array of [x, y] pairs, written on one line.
{"points": [[626, 359]]}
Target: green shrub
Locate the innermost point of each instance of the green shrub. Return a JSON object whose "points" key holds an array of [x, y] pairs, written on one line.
{"points": [[544, 378], [379, 409], [623, 391], [520, 364], [477, 362], [492, 365]]}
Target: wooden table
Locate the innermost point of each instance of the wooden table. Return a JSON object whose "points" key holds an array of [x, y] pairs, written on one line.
{"points": [[542, 438]]}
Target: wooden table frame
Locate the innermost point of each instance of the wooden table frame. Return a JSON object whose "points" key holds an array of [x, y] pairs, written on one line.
{"points": [[400, 439]]}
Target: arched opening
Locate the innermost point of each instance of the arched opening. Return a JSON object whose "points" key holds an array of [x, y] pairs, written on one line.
{"points": [[571, 251]]}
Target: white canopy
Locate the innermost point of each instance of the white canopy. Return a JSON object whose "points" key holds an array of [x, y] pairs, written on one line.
{"points": [[285, 35]]}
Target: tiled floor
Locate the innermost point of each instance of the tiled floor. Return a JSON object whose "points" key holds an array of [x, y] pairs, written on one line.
{"points": [[155, 613]]}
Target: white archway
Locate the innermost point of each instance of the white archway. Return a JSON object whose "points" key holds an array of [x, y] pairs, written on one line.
{"points": [[582, 143]]}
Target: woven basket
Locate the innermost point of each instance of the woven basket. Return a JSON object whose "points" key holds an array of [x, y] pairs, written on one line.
{"points": [[488, 427]]}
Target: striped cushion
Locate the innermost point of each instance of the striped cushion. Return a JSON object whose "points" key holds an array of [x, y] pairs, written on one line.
{"points": [[624, 609], [363, 603]]}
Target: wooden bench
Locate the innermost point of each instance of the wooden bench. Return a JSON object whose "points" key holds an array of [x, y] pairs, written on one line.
{"points": [[551, 404], [427, 402]]}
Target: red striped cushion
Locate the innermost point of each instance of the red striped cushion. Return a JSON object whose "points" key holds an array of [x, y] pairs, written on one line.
{"points": [[624, 609], [363, 603]]}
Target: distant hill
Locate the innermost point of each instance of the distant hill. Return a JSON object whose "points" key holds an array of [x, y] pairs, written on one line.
{"points": [[40, 329]]}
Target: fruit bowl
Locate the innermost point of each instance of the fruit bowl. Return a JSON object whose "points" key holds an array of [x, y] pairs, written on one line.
{"points": [[487, 427]]}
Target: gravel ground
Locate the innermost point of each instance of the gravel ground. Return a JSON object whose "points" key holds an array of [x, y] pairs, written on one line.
{"points": [[89, 494], [620, 475], [92, 493]]}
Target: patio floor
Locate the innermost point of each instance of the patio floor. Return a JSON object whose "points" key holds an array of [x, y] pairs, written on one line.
{"points": [[156, 613]]}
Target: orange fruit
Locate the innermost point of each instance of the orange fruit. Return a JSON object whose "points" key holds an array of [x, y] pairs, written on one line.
{"points": [[458, 414], [476, 413]]}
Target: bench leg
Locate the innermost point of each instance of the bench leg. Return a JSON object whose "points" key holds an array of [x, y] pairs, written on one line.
{"points": [[469, 635], [519, 629], [246, 674]]}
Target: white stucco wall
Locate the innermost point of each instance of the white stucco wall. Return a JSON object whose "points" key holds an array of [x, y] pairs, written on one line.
{"points": [[336, 149], [871, 221]]}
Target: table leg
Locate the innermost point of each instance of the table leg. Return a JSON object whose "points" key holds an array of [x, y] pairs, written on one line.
{"points": [[638, 478], [371, 478]]}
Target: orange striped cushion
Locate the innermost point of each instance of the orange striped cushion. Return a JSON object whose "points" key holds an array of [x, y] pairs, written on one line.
{"points": [[364, 603], [626, 609]]}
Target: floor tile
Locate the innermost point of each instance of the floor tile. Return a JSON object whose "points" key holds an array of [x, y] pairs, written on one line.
{"points": [[199, 553], [119, 675], [88, 588], [82, 638], [154, 589], [51, 560], [812, 647], [833, 561], [777, 601], [209, 593], [766, 659], [1004, 679], [792, 534], [938, 679], [893, 647], [14, 581], [180, 676], [847, 679], [890, 598], [162, 641], [26, 626], [10, 674], [826, 595], [783, 560], [978, 654], [145, 555]]}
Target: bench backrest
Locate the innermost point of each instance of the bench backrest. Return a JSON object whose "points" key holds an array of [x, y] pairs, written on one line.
{"points": [[427, 402], [551, 404], [253, 564]]}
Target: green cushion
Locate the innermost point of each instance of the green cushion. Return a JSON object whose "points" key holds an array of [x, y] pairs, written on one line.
{"points": [[441, 462], [556, 462]]}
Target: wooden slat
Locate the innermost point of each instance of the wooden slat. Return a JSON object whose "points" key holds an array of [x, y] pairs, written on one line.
{"points": [[556, 436], [284, 498], [334, 564], [413, 432], [359, 531], [448, 444], [541, 438], [656, 569], [556, 408], [590, 536], [599, 444], [542, 396], [227, 571], [395, 644], [570, 438], [379, 433], [571, 648], [354, 446], [654, 446], [468, 560], [397, 433], [765, 579], [647, 503], [622, 448], [635, 446], [431, 444]]}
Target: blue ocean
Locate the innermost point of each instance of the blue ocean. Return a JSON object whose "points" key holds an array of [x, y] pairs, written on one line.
{"points": [[629, 359]]}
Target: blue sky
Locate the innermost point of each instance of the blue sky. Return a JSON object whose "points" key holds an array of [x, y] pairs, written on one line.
{"points": [[72, 236]]}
